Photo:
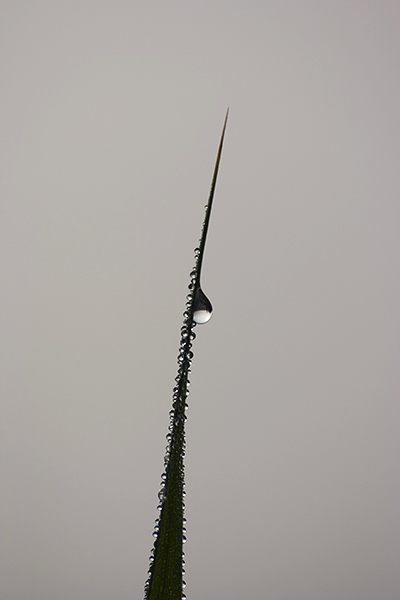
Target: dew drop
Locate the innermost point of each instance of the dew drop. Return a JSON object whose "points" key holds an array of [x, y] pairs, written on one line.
{"points": [[202, 308]]}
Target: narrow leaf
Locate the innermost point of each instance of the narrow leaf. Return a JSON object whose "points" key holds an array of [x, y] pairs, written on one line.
{"points": [[165, 581]]}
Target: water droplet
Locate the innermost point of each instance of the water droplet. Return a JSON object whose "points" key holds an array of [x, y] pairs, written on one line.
{"points": [[202, 308]]}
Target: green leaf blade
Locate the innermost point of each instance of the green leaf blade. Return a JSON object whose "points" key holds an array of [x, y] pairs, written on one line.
{"points": [[165, 580]]}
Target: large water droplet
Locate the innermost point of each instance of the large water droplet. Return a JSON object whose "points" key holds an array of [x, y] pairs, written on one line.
{"points": [[202, 308]]}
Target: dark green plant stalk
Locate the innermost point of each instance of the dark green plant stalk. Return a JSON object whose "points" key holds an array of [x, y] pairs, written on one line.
{"points": [[165, 580]]}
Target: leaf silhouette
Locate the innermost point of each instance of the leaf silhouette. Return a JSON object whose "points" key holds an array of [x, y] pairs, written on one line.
{"points": [[165, 581]]}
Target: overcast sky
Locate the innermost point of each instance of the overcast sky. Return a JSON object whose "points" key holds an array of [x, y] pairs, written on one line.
{"points": [[111, 117]]}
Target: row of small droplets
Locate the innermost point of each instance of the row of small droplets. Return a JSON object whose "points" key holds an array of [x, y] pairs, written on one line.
{"points": [[181, 391], [180, 394]]}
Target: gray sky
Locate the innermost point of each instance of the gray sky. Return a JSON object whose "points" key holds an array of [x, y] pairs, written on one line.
{"points": [[112, 113]]}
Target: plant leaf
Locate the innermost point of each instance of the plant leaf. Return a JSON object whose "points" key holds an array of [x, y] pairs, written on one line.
{"points": [[165, 580]]}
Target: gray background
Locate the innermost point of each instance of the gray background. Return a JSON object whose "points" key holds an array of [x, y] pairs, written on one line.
{"points": [[111, 118]]}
